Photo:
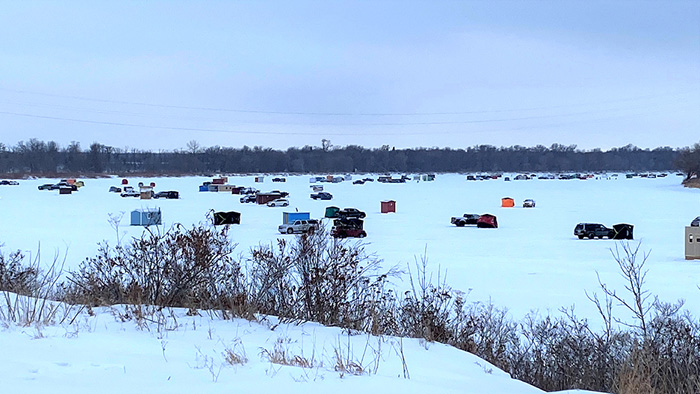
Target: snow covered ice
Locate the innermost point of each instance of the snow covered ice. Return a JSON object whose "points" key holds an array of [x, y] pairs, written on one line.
{"points": [[531, 262]]}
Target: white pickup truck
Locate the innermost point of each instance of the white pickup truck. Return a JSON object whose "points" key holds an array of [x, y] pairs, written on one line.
{"points": [[299, 226]]}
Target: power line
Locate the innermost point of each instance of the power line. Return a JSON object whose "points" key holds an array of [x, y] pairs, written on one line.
{"points": [[324, 133], [430, 123], [269, 112]]}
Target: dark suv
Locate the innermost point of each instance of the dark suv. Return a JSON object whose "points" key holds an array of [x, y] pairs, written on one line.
{"points": [[322, 196], [351, 213], [592, 230]]}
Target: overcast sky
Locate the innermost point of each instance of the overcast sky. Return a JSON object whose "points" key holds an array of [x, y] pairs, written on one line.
{"points": [[157, 74]]}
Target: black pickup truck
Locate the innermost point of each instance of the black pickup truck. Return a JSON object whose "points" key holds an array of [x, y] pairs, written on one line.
{"points": [[467, 218]]}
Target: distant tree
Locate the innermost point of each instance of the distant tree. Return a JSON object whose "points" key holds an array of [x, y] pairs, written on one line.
{"points": [[194, 147], [688, 161], [326, 145]]}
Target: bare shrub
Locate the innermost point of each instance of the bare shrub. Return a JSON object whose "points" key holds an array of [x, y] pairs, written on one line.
{"points": [[559, 353], [15, 276], [185, 268], [316, 278], [661, 351], [668, 359], [424, 311]]}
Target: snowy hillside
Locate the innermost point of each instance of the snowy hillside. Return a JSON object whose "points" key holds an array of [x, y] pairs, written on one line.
{"points": [[188, 354]]}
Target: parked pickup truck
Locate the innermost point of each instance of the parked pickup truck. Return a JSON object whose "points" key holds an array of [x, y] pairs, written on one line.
{"points": [[467, 218], [299, 226]]}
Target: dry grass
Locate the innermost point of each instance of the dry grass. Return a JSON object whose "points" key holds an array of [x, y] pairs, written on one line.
{"points": [[235, 355], [280, 355], [345, 365]]}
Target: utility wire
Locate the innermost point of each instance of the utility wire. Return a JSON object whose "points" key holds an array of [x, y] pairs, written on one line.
{"points": [[324, 133], [426, 123], [269, 112]]}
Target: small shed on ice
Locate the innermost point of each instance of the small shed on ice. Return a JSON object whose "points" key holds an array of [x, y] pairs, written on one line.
{"points": [[231, 217], [146, 217], [388, 206], [692, 243], [146, 192], [264, 198], [331, 212], [623, 231], [288, 217], [507, 202], [487, 221]]}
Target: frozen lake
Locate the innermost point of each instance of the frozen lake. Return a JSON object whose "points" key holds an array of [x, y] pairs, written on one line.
{"points": [[532, 261]]}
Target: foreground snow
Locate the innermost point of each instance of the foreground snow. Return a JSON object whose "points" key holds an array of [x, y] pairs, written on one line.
{"points": [[186, 354]]}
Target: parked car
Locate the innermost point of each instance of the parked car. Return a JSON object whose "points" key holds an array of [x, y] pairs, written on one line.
{"points": [[348, 227], [59, 185], [322, 196], [351, 213], [592, 230], [299, 226], [347, 232], [130, 192], [6, 182], [46, 186], [248, 198], [281, 193], [695, 222], [467, 218], [170, 195], [249, 190], [359, 182], [529, 203], [280, 202], [114, 189], [279, 180]]}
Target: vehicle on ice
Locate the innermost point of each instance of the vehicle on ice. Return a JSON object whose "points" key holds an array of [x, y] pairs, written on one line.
{"points": [[592, 230], [299, 226], [348, 213], [321, 196], [169, 194], [130, 192], [280, 202], [348, 228], [467, 218], [248, 198]]}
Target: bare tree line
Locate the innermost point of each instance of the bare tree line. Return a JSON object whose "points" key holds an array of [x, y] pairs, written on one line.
{"points": [[35, 157]]}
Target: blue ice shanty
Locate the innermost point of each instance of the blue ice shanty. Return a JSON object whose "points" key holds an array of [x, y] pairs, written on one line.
{"points": [[146, 217]]}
